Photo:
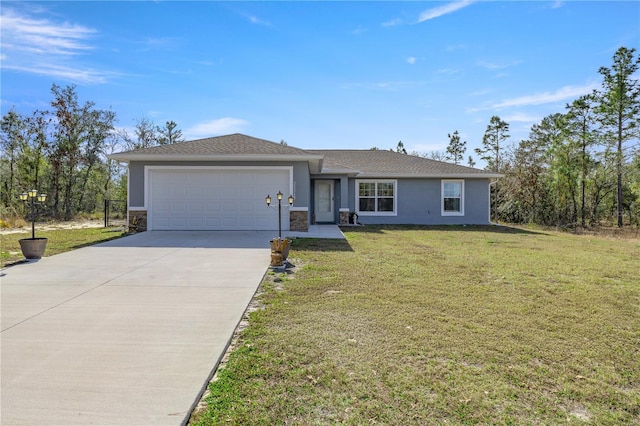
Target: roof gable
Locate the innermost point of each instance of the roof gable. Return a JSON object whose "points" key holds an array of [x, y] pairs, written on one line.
{"points": [[235, 147], [235, 144]]}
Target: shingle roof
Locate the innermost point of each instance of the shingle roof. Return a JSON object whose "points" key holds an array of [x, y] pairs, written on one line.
{"points": [[361, 163], [382, 163], [235, 144]]}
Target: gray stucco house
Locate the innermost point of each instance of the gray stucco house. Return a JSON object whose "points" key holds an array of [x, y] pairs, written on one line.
{"points": [[220, 183]]}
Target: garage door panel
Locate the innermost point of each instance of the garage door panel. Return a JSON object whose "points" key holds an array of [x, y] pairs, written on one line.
{"points": [[213, 193], [196, 223], [196, 205], [212, 223], [216, 199]]}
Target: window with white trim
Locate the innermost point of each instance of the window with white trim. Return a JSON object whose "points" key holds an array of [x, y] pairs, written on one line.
{"points": [[376, 197], [453, 197]]}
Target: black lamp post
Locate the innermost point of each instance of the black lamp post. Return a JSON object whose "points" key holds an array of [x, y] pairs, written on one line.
{"points": [[33, 248], [34, 198], [279, 197]]}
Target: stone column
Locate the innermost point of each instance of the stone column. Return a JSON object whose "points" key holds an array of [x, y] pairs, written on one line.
{"points": [[344, 216], [141, 218], [299, 219]]}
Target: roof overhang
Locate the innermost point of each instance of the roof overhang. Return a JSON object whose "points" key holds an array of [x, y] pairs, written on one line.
{"points": [[344, 172], [315, 161], [430, 176]]}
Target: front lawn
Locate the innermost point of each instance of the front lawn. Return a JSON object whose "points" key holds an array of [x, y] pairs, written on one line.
{"points": [[464, 325], [60, 240]]}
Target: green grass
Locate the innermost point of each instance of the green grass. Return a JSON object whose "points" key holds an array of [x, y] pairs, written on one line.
{"points": [[60, 240], [410, 325]]}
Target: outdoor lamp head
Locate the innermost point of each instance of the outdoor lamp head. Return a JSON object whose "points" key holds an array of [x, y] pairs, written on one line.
{"points": [[24, 196], [32, 193], [290, 199], [42, 197], [268, 200], [279, 195]]}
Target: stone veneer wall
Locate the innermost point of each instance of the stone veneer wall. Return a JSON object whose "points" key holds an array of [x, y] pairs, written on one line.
{"points": [[299, 221], [142, 219], [344, 217]]}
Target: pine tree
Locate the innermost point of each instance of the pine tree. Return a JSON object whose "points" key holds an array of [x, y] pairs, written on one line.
{"points": [[456, 148], [580, 119], [169, 134], [620, 110], [497, 132]]}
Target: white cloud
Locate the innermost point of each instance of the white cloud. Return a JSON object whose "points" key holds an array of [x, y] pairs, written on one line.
{"points": [[449, 71], [411, 60], [83, 75], [359, 30], [43, 47], [436, 12], [454, 47], [218, 126], [481, 92], [521, 117], [255, 20], [26, 34], [383, 85], [392, 23], [160, 43], [564, 93], [557, 4], [497, 66]]}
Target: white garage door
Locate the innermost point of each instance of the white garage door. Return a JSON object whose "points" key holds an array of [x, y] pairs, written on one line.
{"points": [[216, 198]]}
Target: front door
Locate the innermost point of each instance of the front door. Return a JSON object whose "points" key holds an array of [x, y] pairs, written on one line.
{"points": [[324, 201]]}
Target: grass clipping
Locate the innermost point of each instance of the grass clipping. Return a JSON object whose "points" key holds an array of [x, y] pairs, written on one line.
{"points": [[409, 325]]}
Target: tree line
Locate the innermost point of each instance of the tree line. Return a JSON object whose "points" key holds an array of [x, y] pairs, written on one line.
{"points": [[579, 167], [62, 152]]}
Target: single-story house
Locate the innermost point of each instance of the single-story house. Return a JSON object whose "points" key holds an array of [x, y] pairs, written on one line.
{"points": [[221, 183]]}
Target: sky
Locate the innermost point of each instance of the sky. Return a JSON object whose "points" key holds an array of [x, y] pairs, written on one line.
{"points": [[316, 74]]}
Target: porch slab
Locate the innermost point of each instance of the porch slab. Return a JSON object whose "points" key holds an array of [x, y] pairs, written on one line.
{"points": [[318, 231]]}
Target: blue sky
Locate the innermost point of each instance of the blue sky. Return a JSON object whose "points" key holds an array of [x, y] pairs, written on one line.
{"points": [[316, 74]]}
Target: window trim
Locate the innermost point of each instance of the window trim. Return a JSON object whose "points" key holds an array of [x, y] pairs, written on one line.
{"points": [[376, 181], [462, 197]]}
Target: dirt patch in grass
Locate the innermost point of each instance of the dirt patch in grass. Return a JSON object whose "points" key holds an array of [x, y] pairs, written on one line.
{"points": [[52, 226], [428, 325]]}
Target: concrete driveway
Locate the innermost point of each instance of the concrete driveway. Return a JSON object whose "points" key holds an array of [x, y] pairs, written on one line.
{"points": [[126, 332]]}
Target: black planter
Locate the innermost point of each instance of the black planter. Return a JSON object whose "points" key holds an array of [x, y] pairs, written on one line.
{"points": [[33, 248]]}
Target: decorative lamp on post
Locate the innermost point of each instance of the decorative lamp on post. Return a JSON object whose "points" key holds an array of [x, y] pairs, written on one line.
{"points": [[279, 247], [33, 248]]}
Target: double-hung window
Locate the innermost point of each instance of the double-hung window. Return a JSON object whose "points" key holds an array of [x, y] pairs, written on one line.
{"points": [[453, 197], [376, 197]]}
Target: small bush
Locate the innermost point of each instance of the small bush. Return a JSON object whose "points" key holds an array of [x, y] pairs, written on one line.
{"points": [[11, 218]]}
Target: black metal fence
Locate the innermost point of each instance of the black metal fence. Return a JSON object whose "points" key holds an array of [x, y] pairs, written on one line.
{"points": [[115, 213]]}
